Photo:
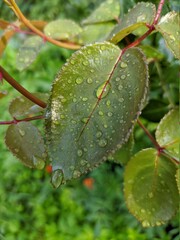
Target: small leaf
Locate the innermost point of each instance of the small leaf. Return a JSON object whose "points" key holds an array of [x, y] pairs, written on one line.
{"points": [[26, 143], [95, 33], [123, 155], [142, 14], [168, 133], [4, 24], [62, 29], [107, 11], [23, 107], [82, 98], [29, 51], [152, 53], [169, 28], [178, 179], [150, 188]]}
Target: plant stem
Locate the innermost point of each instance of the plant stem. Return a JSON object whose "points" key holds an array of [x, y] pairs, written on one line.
{"points": [[156, 19], [157, 146], [15, 121], [28, 24], [21, 89]]}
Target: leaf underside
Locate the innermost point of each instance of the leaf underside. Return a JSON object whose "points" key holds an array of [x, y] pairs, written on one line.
{"points": [[26, 143], [87, 118], [169, 28], [168, 133], [137, 17], [107, 11], [150, 188]]}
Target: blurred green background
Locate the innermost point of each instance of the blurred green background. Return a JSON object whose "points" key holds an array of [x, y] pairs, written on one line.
{"points": [[92, 207]]}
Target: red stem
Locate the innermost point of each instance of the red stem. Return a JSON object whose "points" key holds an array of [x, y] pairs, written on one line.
{"points": [[156, 19], [20, 89], [15, 121]]}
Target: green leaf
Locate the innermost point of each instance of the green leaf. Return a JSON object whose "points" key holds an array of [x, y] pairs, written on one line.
{"points": [[62, 29], [168, 133], [107, 11], [23, 107], [169, 28], [123, 155], [178, 178], [28, 52], [26, 143], [94, 101], [95, 33], [152, 53], [139, 16], [150, 188]]}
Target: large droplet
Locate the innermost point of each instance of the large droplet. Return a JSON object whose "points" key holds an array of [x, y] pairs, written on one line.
{"points": [[79, 80], [38, 162], [102, 142], [123, 65], [103, 90], [21, 132], [57, 178]]}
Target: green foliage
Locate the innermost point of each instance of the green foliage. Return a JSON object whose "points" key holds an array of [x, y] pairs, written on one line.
{"points": [[95, 101], [150, 189], [103, 93], [26, 143]]}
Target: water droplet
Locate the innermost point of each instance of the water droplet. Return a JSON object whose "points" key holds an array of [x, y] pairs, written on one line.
{"points": [[172, 37], [76, 174], [74, 100], [102, 142], [84, 99], [142, 211], [101, 113], [92, 70], [105, 125], [62, 116], [98, 134], [103, 90], [79, 80], [121, 100], [38, 162], [141, 18], [84, 120], [57, 178], [16, 150], [123, 77], [89, 80], [103, 47], [108, 103], [72, 62], [85, 63], [83, 162], [123, 65], [79, 152], [145, 223], [21, 132], [151, 195], [110, 114], [120, 87]]}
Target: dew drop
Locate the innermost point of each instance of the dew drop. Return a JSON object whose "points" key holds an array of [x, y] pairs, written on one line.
{"points": [[102, 142], [145, 223], [38, 162], [121, 100], [79, 152], [21, 132], [117, 79], [85, 63], [84, 99], [83, 162], [76, 174], [120, 87], [100, 113], [123, 77], [108, 103], [98, 134], [72, 62], [142, 211], [109, 114], [57, 178], [103, 90], [16, 150], [79, 80], [89, 80], [84, 120], [123, 65]]}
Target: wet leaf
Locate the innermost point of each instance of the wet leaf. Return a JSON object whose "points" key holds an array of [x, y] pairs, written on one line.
{"points": [[137, 17], [150, 188], [62, 29], [178, 178], [151, 52], [168, 133], [88, 118], [26, 143], [123, 155], [29, 51], [107, 11], [23, 107], [169, 28], [95, 33]]}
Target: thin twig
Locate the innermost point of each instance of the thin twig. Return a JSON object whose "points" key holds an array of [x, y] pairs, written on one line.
{"points": [[28, 24], [15, 121], [21, 89]]}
